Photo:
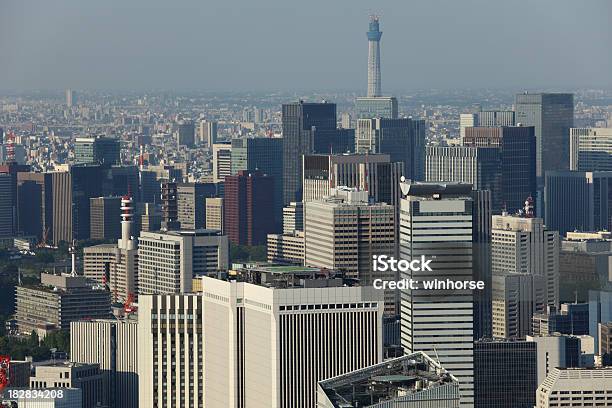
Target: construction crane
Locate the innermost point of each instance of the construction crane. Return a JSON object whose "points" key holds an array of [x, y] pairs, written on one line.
{"points": [[128, 306]]}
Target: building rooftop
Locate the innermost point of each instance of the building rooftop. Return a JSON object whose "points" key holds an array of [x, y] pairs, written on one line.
{"points": [[289, 276], [398, 380], [435, 190], [565, 379]]}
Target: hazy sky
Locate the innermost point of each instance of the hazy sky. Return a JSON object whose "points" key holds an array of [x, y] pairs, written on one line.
{"points": [[305, 45]]}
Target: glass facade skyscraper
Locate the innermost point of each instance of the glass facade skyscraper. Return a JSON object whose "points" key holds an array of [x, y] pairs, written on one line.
{"points": [[300, 120], [552, 115]]}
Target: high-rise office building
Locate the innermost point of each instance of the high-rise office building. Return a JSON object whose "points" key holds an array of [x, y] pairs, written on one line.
{"points": [[293, 218], [86, 181], [150, 217], [505, 374], [61, 227], [71, 192], [374, 35], [513, 304], [372, 173], [263, 154], [576, 387], [585, 262], [415, 380], [222, 161], [116, 265], [268, 342], [571, 318], [605, 342], [208, 133], [556, 350], [191, 203], [346, 121], [124, 180], [517, 153], [249, 208], [185, 133], [70, 375], [600, 311], [590, 149], [104, 215], [481, 259], [113, 345], [330, 141], [70, 98], [8, 217], [439, 322], [300, 122], [578, 200], [57, 301], [376, 107], [344, 231], [169, 206], [35, 204], [171, 360], [467, 120], [97, 150], [496, 118], [214, 214], [552, 115], [402, 139], [524, 245], [169, 261], [286, 248], [478, 166], [12, 169]]}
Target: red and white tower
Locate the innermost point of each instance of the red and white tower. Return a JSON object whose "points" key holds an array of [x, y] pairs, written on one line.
{"points": [[127, 219]]}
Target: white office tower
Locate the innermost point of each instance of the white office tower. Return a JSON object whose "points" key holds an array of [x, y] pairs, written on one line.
{"points": [[436, 222], [116, 266], [374, 35], [293, 218], [591, 149], [170, 351], [513, 304], [222, 161], [522, 244], [207, 133], [169, 261], [267, 344], [467, 120], [576, 387], [344, 232], [113, 344]]}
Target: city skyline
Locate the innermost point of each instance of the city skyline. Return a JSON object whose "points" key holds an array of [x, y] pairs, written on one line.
{"points": [[213, 246]]}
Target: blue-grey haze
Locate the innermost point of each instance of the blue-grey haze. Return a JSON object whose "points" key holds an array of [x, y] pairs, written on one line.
{"points": [[313, 44]]}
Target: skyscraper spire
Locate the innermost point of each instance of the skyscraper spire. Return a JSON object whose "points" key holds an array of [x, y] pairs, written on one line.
{"points": [[374, 35]]}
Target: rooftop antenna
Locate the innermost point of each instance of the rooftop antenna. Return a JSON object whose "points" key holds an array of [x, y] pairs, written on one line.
{"points": [[73, 272]]}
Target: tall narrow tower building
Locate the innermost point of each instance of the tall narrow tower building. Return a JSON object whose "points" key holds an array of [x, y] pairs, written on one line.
{"points": [[374, 35]]}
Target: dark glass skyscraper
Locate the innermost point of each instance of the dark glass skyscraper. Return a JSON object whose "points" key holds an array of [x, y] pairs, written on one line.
{"points": [[578, 200], [100, 150], [87, 181], [505, 374], [300, 119], [402, 139], [266, 155], [552, 115], [518, 160]]}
